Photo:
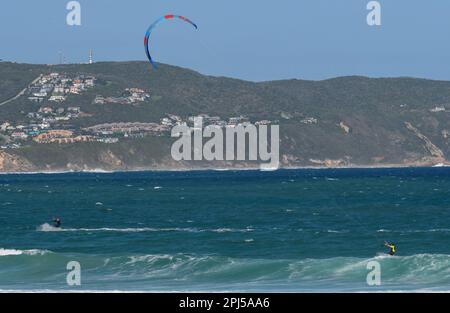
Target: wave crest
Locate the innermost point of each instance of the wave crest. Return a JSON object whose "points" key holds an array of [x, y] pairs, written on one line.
{"points": [[9, 252]]}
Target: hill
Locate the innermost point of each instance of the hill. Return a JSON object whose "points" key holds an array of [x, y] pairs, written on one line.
{"points": [[345, 121]]}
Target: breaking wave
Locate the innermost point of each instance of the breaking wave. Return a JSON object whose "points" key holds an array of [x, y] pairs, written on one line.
{"points": [[220, 273], [11, 252]]}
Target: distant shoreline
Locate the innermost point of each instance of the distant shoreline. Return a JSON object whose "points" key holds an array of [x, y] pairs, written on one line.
{"points": [[343, 122], [231, 169]]}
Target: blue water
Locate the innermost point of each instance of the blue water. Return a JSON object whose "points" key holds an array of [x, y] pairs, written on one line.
{"points": [[288, 230]]}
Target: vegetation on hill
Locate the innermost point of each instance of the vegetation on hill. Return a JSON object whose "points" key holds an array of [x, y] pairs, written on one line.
{"points": [[346, 121]]}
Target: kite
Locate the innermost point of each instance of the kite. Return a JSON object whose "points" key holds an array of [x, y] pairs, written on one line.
{"points": [[150, 29]]}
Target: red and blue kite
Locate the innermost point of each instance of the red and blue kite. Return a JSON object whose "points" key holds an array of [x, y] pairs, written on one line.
{"points": [[149, 31]]}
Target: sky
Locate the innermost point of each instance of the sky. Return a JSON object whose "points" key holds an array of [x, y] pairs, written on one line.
{"points": [[254, 40]]}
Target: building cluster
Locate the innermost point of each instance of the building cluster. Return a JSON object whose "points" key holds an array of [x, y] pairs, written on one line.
{"points": [[172, 120], [438, 109], [126, 130], [47, 115], [46, 120], [48, 125], [56, 87], [228, 123], [129, 96], [61, 136], [113, 131], [309, 120]]}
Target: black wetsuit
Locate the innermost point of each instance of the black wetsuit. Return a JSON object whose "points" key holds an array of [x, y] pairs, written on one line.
{"points": [[57, 223]]}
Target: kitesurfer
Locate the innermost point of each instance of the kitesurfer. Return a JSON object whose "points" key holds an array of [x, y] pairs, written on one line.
{"points": [[57, 222], [391, 247]]}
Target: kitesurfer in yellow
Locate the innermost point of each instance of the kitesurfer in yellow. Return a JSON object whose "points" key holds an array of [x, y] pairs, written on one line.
{"points": [[391, 247]]}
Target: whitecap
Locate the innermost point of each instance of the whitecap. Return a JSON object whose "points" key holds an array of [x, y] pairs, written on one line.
{"points": [[5, 252], [10, 252], [336, 231], [46, 227]]}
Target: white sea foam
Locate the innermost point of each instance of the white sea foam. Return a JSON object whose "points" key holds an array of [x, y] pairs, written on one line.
{"points": [[222, 230], [433, 230], [4, 252], [8, 252], [49, 228], [337, 231]]}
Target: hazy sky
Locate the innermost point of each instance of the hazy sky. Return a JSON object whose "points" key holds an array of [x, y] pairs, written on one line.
{"points": [[249, 39]]}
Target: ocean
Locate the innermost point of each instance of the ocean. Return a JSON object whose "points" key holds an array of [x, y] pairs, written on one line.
{"points": [[299, 230]]}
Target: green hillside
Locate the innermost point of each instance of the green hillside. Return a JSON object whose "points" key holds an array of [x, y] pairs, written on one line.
{"points": [[346, 121]]}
